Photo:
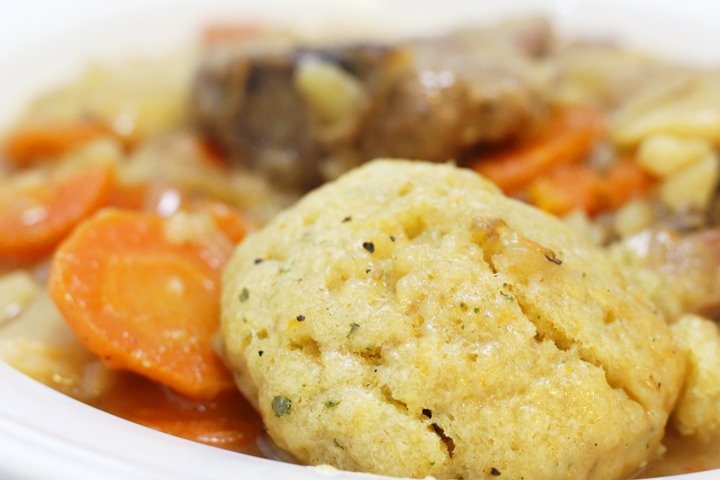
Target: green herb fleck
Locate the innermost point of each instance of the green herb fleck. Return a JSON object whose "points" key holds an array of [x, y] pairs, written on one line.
{"points": [[281, 405], [476, 309], [509, 297], [283, 270], [463, 306], [432, 464], [244, 295], [332, 403], [353, 328]]}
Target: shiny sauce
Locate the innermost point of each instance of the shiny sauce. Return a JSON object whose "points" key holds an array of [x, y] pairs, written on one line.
{"points": [[228, 421]]}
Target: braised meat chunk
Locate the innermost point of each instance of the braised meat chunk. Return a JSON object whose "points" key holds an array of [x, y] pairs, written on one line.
{"points": [[303, 115]]}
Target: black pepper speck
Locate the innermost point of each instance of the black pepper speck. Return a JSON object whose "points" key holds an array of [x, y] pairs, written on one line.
{"points": [[552, 258], [300, 318], [494, 472], [369, 246]]}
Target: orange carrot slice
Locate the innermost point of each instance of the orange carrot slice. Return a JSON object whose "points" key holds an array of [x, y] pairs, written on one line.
{"points": [[625, 180], [227, 421], [142, 302], [567, 188], [567, 138], [36, 216], [571, 187], [31, 144], [231, 221]]}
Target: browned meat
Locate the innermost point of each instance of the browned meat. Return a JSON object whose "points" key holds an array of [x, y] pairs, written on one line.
{"points": [[303, 115], [686, 265]]}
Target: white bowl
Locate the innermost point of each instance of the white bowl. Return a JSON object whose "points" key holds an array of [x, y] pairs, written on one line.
{"points": [[46, 435]]}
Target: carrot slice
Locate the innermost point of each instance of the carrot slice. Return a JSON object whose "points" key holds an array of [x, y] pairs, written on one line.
{"points": [[31, 144], [143, 302], [227, 421], [567, 188], [571, 187], [231, 221], [36, 216], [625, 180], [567, 138]]}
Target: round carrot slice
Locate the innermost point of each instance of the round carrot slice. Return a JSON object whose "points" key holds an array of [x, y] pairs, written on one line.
{"points": [[36, 215], [35, 143], [143, 302]]}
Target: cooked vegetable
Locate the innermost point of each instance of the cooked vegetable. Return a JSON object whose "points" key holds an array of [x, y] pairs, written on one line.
{"points": [[229, 220], [227, 421], [693, 186], [144, 300], [567, 188], [582, 187], [34, 143], [664, 155], [37, 212], [568, 137]]}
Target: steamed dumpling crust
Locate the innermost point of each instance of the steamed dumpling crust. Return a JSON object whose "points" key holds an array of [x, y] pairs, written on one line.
{"points": [[410, 320]]}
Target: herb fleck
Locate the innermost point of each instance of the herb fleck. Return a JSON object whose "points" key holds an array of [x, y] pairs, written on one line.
{"points": [[476, 309], [392, 238], [369, 246], [244, 295], [346, 219], [552, 258], [507, 296], [260, 353], [300, 318], [281, 405], [353, 327], [494, 472], [463, 306], [259, 260], [332, 403], [283, 270]]}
